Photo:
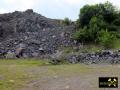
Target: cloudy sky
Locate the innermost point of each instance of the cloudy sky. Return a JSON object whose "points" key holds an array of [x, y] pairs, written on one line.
{"points": [[50, 8]]}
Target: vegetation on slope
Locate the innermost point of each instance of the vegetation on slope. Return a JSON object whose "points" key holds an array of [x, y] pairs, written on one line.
{"points": [[99, 23]]}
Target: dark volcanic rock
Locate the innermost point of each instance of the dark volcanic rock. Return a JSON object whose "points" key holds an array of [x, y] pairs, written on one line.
{"points": [[39, 34], [106, 56]]}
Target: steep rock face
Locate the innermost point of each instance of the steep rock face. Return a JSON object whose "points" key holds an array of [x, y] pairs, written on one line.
{"points": [[39, 35]]}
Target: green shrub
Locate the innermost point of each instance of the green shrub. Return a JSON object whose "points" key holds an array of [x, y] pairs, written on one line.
{"points": [[90, 33], [67, 21], [117, 34], [94, 28], [117, 22], [81, 35], [106, 38], [93, 22], [106, 10]]}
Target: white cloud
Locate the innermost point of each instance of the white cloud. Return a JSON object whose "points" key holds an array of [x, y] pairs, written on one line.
{"points": [[50, 8], [11, 5], [83, 2], [21, 5], [73, 2], [3, 10]]}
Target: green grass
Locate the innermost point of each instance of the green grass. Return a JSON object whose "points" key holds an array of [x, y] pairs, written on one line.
{"points": [[92, 48], [24, 62], [117, 44], [17, 74], [85, 48], [13, 72]]}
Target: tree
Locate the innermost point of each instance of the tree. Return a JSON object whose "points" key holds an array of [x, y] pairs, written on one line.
{"points": [[90, 33], [106, 10], [93, 29], [116, 22], [66, 21], [86, 14], [99, 23]]}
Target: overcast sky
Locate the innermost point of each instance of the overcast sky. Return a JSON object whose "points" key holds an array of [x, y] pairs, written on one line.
{"points": [[50, 8]]}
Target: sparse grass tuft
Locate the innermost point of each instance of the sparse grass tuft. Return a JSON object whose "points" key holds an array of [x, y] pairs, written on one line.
{"points": [[117, 44]]}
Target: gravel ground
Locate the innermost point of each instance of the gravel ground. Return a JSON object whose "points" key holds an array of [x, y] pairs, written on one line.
{"points": [[72, 79], [39, 75]]}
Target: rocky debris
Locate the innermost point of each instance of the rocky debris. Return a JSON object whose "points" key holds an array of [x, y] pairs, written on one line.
{"points": [[28, 34], [19, 52], [105, 56], [38, 35], [2, 53], [10, 55], [56, 58], [72, 58]]}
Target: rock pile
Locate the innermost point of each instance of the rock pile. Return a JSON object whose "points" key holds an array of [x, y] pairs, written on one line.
{"points": [[105, 56], [28, 34]]}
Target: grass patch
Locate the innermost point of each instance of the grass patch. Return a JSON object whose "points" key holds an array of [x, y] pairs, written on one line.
{"points": [[13, 72], [24, 62], [117, 44], [17, 74], [91, 48]]}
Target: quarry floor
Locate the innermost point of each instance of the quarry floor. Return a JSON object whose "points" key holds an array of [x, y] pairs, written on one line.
{"points": [[40, 75]]}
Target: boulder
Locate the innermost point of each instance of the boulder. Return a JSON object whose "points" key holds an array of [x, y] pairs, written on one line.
{"points": [[19, 52]]}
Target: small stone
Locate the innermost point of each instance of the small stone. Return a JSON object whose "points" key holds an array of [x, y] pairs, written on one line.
{"points": [[53, 36], [62, 34], [41, 49], [44, 29], [26, 37], [19, 52], [75, 41], [35, 54], [11, 81], [43, 40], [55, 77], [25, 55], [21, 45], [15, 43], [67, 87]]}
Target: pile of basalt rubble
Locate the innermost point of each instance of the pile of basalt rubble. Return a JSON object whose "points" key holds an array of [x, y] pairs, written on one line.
{"points": [[28, 34], [102, 57]]}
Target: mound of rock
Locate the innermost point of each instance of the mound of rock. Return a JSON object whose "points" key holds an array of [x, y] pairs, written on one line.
{"points": [[105, 56], [28, 34]]}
